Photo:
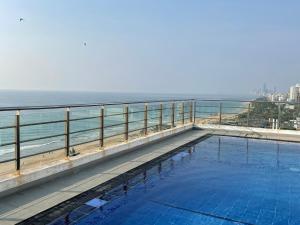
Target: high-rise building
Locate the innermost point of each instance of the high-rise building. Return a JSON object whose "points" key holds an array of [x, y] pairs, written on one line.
{"points": [[294, 95]]}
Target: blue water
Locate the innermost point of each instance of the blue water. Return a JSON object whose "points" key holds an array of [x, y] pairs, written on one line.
{"points": [[221, 180], [35, 98]]}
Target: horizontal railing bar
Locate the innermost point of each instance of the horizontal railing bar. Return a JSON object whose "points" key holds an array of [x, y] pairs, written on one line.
{"points": [[114, 135], [140, 129], [85, 130], [149, 110], [116, 114], [7, 144], [85, 118], [89, 105], [135, 121], [86, 142], [153, 110], [42, 123], [264, 120], [7, 160], [207, 112], [42, 138], [114, 125], [242, 119], [152, 126], [7, 127], [224, 100], [234, 107], [207, 106], [136, 102], [136, 112], [153, 118], [231, 113], [180, 113]]}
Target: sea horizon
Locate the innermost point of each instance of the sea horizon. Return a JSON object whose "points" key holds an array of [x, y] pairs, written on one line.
{"points": [[13, 98]]}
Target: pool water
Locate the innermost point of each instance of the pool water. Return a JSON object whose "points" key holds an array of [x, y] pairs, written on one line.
{"points": [[219, 180]]}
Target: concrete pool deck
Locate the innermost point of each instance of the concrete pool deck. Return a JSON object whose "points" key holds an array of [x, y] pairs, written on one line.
{"points": [[23, 204], [26, 203]]}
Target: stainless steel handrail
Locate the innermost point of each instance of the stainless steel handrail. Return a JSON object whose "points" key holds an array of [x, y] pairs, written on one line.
{"points": [[175, 110]]}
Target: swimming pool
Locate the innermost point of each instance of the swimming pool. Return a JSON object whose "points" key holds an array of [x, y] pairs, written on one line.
{"points": [[219, 180]]}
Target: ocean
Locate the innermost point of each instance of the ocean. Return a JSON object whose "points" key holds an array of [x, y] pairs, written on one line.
{"points": [[41, 98]]}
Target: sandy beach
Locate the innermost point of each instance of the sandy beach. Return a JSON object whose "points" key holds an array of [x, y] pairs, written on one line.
{"points": [[8, 169]]}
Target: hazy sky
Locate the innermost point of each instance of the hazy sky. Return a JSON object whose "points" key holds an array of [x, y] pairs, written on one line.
{"points": [[165, 46]]}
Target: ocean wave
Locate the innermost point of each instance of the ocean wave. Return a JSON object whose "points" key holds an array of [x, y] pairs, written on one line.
{"points": [[12, 149]]}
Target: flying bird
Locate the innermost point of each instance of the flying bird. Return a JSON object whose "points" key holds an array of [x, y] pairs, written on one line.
{"points": [[84, 43], [21, 19]]}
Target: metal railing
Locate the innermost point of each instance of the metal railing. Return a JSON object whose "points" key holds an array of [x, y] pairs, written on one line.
{"points": [[262, 114], [76, 125], [109, 121]]}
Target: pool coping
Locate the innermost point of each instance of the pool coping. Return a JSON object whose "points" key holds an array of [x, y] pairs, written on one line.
{"points": [[252, 132]]}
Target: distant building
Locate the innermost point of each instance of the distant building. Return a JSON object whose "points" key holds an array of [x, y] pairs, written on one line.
{"points": [[296, 123], [294, 95], [277, 97]]}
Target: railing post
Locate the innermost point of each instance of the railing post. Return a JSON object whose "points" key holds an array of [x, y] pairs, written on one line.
{"points": [[67, 132], [126, 123], [191, 112], [102, 127], [279, 116], [248, 115], [195, 105], [182, 113], [160, 116], [146, 119], [220, 114], [173, 115], [17, 143]]}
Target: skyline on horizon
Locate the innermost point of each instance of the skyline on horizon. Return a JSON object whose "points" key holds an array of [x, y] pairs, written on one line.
{"points": [[212, 47]]}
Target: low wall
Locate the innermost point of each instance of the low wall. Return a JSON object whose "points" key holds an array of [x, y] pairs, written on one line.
{"points": [[61, 167]]}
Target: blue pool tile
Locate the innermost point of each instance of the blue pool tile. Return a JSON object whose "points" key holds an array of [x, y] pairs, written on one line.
{"points": [[215, 184]]}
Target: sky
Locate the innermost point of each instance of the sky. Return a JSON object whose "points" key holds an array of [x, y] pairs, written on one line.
{"points": [[150, 46]]}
